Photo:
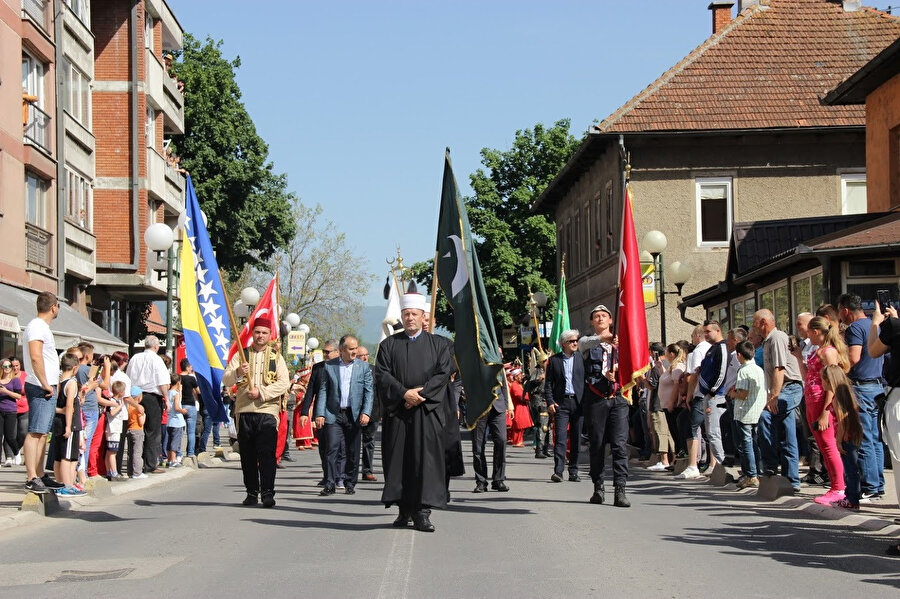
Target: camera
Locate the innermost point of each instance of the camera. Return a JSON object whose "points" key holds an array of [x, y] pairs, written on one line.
{"points": [[884, 298]]}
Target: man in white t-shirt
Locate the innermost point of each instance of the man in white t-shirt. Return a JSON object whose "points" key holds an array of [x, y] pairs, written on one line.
{"points": [[41, 362], [695, 442], [148, 371]]}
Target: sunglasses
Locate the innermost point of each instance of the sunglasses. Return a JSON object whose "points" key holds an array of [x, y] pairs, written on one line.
{"points": [[7, 365]]}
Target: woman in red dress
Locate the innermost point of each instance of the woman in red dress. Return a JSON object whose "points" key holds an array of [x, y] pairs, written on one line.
{"points": [[521, 420], [303, 431]]}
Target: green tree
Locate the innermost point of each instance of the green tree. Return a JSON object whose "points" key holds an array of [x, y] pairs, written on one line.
{"points": [[516, 249], [246, 202]]}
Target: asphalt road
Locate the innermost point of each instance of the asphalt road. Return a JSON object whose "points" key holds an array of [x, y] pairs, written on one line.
{"points": [[191, 538]]}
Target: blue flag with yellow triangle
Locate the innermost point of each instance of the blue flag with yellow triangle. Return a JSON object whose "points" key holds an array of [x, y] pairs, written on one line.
{"points": [[204, 314]]}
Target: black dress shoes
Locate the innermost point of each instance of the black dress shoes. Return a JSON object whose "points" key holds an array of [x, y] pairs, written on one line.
{"points": [[500, 486], [268, 499], [327, 491], [539, 456], [402, 521], [556, 478], [574, 478], [480, 489], [422, 521], [598, 495], [250, 499], [350, 491]]}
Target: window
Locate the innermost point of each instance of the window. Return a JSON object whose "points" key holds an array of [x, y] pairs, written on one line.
{"points": [[776, 300], [148, 31], [33, 77], [720, 315], [78, 201], [713, 211], [35, 200], [866, 277], [575, 255], [853, 193], [81, 9], [585, 249], [807, 291], [78, 95], [150, 129]]}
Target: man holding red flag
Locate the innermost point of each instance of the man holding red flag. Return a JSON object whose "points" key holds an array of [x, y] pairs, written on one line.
{"points": [[613, 364]]}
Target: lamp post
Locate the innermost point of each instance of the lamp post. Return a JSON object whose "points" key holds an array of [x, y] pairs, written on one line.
{"points": [[160, 239], [250, 297], [655, 243]]}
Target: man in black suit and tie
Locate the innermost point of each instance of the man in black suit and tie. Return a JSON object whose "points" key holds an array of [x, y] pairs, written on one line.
{"points": [[564, 390]]}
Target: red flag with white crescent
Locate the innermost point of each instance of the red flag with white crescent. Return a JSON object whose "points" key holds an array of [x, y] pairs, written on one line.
{"points": [[268, 307], [634, 351]]}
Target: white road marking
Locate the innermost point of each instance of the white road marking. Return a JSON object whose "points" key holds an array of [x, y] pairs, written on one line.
{"points": [[395, 582]]}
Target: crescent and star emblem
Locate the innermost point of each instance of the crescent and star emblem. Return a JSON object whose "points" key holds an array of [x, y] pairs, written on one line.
{"points": [[462, 272]]}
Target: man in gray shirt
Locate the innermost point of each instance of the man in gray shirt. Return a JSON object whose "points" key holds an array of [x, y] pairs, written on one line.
{"points": [[778, 423]]}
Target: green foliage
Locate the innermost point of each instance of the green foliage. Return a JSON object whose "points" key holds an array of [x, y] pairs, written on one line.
{"points": [[516, 249], [247, 204]]}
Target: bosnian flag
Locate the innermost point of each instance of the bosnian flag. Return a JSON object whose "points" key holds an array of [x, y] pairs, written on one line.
{"points": [[631, 323], [268, 307]]}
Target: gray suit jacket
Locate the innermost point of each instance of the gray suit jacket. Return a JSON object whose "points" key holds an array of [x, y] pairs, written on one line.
{"points": [[328, 403]]}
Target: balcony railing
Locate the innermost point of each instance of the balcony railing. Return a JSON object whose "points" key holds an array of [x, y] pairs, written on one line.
{"points": [[36, 10], [37, 127], [37, 247]]}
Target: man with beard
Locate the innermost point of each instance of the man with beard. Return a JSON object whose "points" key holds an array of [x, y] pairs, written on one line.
{"points": [[412, 374]]}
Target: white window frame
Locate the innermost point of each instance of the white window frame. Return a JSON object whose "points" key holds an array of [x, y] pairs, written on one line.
{"points": [[81, 9], [80, 196], [148, 30], [78, 98], [150, 128], [809, 274], [33, 77], [699, 182], [852, 178], [743, 301]]}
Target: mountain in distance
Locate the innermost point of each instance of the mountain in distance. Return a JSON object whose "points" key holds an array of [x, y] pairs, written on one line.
{"points": [[370, 330]]}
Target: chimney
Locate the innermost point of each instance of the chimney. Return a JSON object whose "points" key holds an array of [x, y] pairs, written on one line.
{"points": [[852, 5], [721, 14], [745, 4]]}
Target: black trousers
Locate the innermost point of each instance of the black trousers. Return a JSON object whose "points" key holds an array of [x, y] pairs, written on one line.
{"points": [[345, 432], [258, 436], [493, 422], [153, 409], [609, 424], [568, 415], [368, 447]]}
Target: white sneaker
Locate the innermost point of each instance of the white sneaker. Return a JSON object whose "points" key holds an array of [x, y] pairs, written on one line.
{"points": [[18, 460], [139, 476], [657, 467], [7, 463], [689, 473]]}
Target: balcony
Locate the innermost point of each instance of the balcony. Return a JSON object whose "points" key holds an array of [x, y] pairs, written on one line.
{"points": [[80, 252], [36, 10], [38, 248], [37, 127], [164, 183], [163, 94]]}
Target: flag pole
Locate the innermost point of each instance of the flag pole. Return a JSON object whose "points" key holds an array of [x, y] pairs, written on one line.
{"points": [[234, 330], [434, 288], [534, 317]]}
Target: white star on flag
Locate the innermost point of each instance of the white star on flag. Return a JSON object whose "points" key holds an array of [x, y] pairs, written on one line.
{"points": [[216, 323], [201, 273], [221, 341], [206, 289], [209, 307]]}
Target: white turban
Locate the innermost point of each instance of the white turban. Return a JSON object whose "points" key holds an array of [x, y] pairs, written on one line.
{"points": [[413, 300]]}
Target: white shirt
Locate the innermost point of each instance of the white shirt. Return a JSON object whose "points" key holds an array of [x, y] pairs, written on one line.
{"points": [[731, 371], [695, 359], [568, 364], [39, 330], [346, 370], [119, 375], [148, 371]]}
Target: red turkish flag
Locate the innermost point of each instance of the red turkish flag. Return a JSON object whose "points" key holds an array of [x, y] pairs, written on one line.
{"points": [[631, 326], [268, 307]]}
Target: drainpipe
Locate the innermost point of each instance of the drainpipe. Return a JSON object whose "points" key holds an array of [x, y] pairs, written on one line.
{"points": [[135, 164], [61, 179]]}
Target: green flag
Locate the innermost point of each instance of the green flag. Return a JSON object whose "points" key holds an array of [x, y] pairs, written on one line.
{"points": [[561, 319], [459, 275]]}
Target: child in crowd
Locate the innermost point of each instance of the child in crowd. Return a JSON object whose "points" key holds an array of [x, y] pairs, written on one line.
{"points": [[749, 400], [848, 432], [116, 416], [135, 434], [176, 422], [66, 444]]}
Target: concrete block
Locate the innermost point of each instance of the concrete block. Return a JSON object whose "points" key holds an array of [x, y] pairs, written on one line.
{"points": [[98, 486], [220, 452], [189, 461], [720, 477], [773, 487], [43, 505], [232, 456], [680, 465]]}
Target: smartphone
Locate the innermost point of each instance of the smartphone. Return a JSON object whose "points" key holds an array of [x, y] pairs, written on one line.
{"points": [[884, 298]]}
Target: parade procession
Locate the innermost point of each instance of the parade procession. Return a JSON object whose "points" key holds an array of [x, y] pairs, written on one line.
{"points": [[249, 346]]}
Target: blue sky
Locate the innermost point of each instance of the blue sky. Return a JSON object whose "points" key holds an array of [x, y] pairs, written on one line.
{"points": [[357, 100]]}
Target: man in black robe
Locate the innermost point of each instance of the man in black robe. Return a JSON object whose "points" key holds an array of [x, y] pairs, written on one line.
{"points": [[412, 374]]}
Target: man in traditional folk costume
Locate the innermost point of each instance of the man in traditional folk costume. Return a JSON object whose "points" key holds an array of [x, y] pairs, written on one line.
{"points": [[261, 382]]}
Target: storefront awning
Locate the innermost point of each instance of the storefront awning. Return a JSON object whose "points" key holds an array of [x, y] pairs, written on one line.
{"points": [[8, 320], [69, 328]]}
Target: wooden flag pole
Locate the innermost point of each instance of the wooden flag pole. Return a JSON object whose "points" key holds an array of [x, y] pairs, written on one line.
{"points": [[234, 330], [434, 288]]}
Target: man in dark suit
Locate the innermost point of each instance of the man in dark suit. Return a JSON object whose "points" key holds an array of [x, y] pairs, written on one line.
{"points": [[494, 424], [329, 351], [344, 407], [565, 389]]}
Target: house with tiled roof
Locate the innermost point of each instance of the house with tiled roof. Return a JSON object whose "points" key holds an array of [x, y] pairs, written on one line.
{"points": [[734, 132]]}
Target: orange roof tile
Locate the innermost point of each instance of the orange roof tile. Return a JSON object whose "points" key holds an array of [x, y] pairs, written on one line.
{"points": [[768, 69]]}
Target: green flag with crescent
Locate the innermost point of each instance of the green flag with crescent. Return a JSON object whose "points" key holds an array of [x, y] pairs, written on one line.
{"points": [[561, 319], [459, 276]]}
